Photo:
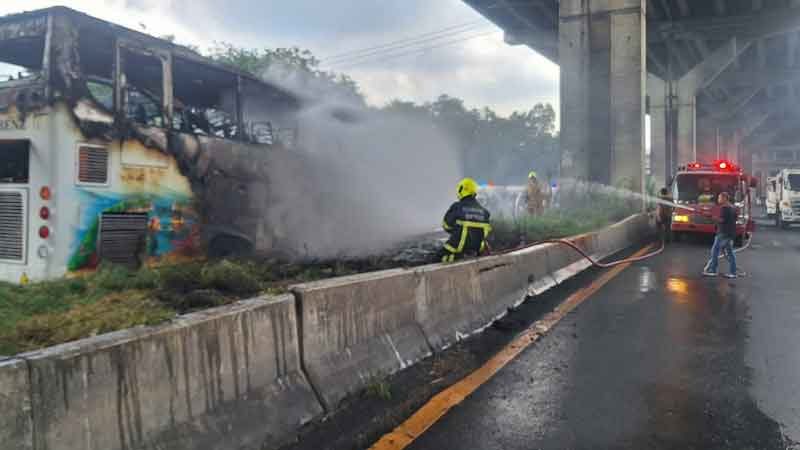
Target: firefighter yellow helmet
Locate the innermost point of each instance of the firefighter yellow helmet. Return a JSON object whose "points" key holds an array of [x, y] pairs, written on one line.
{"points": [[467, 187], [532, 174]]}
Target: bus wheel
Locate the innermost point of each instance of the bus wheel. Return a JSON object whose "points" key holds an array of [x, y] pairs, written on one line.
{"points": [[224, 246]]}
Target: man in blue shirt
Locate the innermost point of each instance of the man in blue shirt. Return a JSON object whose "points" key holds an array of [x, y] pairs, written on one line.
{"points": [[726, 234]]}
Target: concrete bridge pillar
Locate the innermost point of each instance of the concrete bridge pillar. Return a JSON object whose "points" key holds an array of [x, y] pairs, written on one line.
{"points": [[602, 51], [686, 126], [660, 157]]}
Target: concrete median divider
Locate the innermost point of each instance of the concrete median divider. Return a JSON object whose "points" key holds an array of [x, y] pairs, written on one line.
{"points": [[535, 265], [223, 378], [16, 424], [359, 328], [454, 305]]}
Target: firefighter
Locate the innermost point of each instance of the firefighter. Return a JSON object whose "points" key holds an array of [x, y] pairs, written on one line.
{"points": [[664, 216], [535, 195], [706, 195], [467, 222]]}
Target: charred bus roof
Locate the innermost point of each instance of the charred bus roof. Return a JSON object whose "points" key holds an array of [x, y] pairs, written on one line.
{"points": [[34, 23], [29, 30], [116, 75]]}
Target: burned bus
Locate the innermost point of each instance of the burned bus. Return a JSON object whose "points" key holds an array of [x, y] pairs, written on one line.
{"points": [[118, 146]]}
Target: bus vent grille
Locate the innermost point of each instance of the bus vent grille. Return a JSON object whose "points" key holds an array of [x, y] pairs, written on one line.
{"points": [[93, 165], [122, 238], [12, 226]]}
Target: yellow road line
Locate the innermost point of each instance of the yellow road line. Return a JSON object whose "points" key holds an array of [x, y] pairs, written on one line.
{"points": [[402, 436]]}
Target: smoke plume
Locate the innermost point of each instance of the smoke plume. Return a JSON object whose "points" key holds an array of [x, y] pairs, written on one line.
{"points": [[359, 181]]}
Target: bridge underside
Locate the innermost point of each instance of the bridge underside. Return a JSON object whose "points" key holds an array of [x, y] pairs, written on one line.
{"points": [[720, 79]]}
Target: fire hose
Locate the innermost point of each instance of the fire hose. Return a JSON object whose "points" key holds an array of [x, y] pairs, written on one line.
{"points": [[599, 264], [588, 257], [608, 265]]}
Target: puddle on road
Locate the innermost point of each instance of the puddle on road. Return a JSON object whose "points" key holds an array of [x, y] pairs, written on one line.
{"points": [[647, 280], [678, 286]]}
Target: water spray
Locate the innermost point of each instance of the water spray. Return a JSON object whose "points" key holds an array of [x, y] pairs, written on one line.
{"points": [[623, 193]]}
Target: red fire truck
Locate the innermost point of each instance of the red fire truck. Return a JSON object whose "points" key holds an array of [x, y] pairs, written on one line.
{"points": [[696, 186]]}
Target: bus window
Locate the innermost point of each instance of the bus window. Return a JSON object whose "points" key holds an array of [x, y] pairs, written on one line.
{"points": [[144, 88], [21, 58], [102, 92], [269, 115], [96, 53], [16, 162], [793, 182], [204, 99]]}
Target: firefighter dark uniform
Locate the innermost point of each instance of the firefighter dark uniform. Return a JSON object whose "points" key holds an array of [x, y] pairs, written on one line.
{"points": [[467, 222], [664, 216]]}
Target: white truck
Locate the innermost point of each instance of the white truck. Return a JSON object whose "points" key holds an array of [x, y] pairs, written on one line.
{"points": [[771, 202], [785, 202]]}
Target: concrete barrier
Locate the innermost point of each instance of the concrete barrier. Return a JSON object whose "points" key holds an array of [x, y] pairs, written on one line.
{"points": [[535, 265], [454, 306], [16, 425], [223, 378], [358, 328]]}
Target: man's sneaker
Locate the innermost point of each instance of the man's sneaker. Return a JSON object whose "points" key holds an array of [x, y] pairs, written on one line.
{"points": [[706, 273], [730, 275]]}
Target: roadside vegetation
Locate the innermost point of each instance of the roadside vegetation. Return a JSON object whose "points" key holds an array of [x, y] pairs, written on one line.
{"points": [[581, 210], [115, 298]]}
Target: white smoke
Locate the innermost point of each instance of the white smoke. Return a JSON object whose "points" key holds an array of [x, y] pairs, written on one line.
{"points": [[359, 182]]}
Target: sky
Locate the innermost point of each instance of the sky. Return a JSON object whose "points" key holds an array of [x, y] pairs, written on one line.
{"points": [[476, 65]]}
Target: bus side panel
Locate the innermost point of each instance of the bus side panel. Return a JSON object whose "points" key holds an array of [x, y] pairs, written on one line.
{"points": [[35, 128], [141, 180]]}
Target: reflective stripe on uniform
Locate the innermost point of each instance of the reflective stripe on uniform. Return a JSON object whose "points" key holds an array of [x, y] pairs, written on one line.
{"points": [[487, 228], [446, 226], [466, 225]]}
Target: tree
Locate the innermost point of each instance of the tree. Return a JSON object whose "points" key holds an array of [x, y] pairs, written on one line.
{"points": [[493, 148], [293, 68], [408, 109]]}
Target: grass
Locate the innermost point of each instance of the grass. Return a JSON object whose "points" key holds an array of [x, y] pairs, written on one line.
{"points": [[584, 212], [114, 298], [113, 312], [379, 388]]}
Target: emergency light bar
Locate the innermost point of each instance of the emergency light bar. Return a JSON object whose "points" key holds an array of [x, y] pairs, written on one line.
{"points": [[716, 166]]}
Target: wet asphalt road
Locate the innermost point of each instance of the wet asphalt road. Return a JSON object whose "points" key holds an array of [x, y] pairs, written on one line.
{"points": [[659, 358]]}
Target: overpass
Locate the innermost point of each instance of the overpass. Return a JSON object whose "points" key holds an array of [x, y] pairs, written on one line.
{"points": [[719, 78]]}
